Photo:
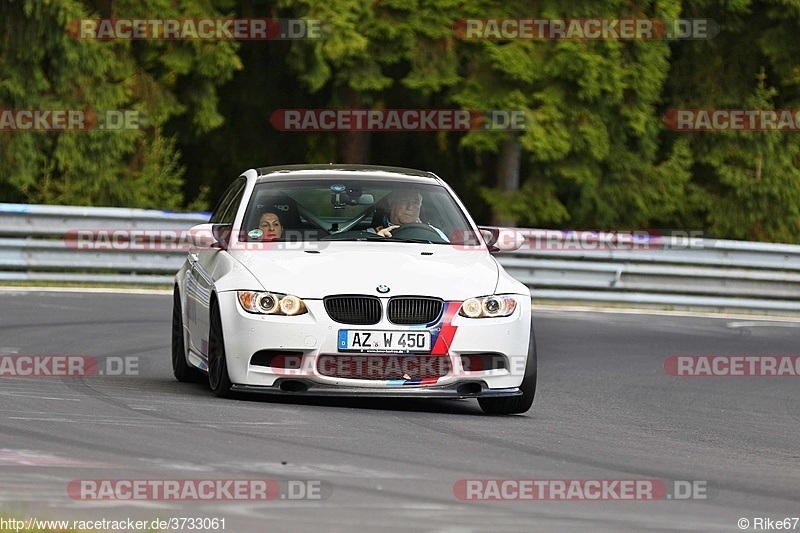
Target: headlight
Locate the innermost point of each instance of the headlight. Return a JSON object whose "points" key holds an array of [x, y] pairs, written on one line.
{"points": [[488, 306], [271, 303]]}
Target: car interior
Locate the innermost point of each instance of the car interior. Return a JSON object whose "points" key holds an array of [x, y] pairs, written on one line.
{"points": [[341, 212]]}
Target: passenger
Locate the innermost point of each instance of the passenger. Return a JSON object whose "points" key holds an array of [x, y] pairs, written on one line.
{"points": [[270, 226]]}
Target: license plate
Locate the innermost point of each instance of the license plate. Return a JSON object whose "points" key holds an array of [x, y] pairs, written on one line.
{"points": [[352, 340]]}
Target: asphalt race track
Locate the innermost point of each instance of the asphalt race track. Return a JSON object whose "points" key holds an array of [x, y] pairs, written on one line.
{"points": [[606, 409]]}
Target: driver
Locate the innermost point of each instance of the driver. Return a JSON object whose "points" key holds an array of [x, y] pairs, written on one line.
{"points": [[404, 208]]}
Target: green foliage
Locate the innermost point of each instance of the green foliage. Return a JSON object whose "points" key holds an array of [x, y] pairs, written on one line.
{"points": [[44, 68], [347, 54], [535, 200], [744, 185], [592, 133], [595, 152], [754, 178]]}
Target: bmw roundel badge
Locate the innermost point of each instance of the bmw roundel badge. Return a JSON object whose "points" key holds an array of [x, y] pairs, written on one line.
{"points": [[383, 289]]}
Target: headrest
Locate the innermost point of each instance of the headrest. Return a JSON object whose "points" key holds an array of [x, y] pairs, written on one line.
{"points": [[280, 204]]}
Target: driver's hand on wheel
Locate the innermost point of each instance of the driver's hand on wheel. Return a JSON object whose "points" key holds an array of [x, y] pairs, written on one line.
{"points": [[387, 232]]}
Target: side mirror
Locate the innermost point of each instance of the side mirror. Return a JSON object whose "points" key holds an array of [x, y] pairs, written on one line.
{"points": [[489, 236], [502, 239], [209, 235]]}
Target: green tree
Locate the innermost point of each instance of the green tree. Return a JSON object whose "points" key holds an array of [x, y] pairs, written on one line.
{"points": [[589, 155], [755, 178], [43, 67], [368, 48], [745, 185]]}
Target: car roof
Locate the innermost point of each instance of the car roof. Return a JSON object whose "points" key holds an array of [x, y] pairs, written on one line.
{"points": [[376, 172]]}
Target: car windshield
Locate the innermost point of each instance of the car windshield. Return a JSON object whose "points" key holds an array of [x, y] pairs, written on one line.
{"points": [[355, 210]]}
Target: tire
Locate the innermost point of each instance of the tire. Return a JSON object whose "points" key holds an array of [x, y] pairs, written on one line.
{"points": [[516, 404], [218, 378], [183, 371]]}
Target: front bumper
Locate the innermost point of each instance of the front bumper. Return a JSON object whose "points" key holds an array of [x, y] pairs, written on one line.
{"points": [[314, 335]]}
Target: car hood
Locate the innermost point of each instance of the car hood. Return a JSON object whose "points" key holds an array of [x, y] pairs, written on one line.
{"points": [[442, 271]]}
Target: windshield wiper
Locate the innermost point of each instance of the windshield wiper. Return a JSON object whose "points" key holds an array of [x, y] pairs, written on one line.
{"points": [[376, 238], [352, 238], [398, 239]]}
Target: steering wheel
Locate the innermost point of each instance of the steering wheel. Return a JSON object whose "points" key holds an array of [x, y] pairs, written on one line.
{"points": [[417, 230]]}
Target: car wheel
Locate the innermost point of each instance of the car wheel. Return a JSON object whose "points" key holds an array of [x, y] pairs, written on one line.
{"points": [[516, 404], [218, 378], [183, 371]]}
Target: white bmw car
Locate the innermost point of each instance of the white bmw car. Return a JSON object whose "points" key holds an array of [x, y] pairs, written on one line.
{"points": [[352, 281]]}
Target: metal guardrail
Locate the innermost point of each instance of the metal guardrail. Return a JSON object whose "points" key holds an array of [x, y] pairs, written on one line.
{"points": [[35, 244], [708, 274], [670, 272]]}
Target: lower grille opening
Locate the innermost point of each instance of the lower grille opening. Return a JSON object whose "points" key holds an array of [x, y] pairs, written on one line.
{"points": [[277, 359], [293, 385], [384, 366], [481, 362], [469, 388]]}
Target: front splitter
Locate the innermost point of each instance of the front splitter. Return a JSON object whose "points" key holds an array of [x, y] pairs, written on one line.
{"points": [[317, 389]]}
